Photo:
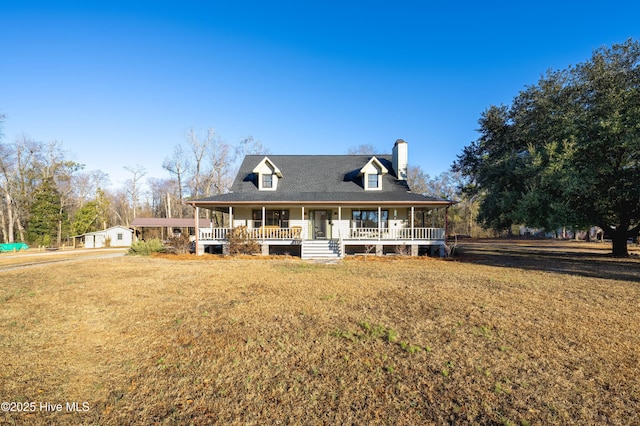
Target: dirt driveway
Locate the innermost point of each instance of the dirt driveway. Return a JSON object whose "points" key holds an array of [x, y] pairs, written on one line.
{"points": [[35, 258]]}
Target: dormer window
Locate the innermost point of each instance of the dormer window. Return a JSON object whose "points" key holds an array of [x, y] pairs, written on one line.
{"points": [[267, 181], [372, 175], [373, 181], [268, 175]]}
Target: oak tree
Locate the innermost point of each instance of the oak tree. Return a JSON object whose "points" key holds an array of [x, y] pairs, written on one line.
{"points": [[566, 152]]}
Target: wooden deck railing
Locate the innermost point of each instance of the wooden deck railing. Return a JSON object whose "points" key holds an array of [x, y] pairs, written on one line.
{"points": [[295, 233], [396, 234]]}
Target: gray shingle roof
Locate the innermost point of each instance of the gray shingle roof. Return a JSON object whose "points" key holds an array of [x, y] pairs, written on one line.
{"points": [[318, 178]]}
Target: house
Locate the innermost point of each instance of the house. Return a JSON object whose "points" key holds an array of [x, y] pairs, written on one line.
{"points": [[116, 236], [326, 206]]}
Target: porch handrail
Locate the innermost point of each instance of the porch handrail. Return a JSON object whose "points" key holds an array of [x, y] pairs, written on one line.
{"points": [[396, 233], [296, 233]]}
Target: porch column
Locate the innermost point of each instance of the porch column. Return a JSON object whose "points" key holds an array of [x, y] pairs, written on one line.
{"points": [[379, 222], [303, 234], [340, 224], [413, 216], [230, 217], [197, 215], [264, 224], [446, 222]]}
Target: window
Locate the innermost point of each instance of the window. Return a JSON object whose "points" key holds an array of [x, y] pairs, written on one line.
{"points": [[373, 181], [119, 237], [267, 181], [369, 218], [423, 219], [272, 218], [267, 174], [372, 174]]}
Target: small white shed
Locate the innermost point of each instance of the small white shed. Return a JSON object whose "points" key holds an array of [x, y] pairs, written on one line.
{"points": [[116, 236]]}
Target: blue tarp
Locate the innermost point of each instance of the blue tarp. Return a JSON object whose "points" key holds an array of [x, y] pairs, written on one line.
{"points": [[13, 247]]}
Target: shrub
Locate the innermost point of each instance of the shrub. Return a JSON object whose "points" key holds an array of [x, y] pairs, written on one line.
{"points": [[240, 241], [178, 244], [402, 250], [145, 248]]}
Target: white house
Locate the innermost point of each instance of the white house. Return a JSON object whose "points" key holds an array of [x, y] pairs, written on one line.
{"points": [[116, 236], [326, 206]]}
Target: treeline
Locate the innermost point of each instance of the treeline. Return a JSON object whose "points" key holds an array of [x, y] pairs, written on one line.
{"points": [[460, 217], [46, 198]]}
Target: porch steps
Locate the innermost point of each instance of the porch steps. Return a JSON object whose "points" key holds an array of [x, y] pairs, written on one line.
{"points": [[320, 249]]}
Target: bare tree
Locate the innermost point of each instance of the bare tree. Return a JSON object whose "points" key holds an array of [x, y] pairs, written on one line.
{"points": [[250, 146], [418, 180], [87, 184], [211, 171], [363, 149], [177, 166], [7, 168], [133, 184], [199, 148], [19, 175], [219, 176]]}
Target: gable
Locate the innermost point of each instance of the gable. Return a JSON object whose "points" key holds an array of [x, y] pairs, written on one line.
{"points": [[371, 174], [267, 175], [267, 166], [374, 166]]}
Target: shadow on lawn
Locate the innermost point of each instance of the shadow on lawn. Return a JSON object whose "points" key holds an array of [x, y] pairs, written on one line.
{"points": [[561, 258]]}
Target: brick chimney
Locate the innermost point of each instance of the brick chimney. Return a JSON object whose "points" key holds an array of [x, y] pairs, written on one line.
{"points": [[400, 159]]}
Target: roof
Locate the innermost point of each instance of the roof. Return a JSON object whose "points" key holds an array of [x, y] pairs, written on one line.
{"points": [[124, 228], [318, 179], [162, 222]]}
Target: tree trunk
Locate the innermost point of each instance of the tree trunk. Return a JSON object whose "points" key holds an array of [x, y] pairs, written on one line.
{"points": [[3, 226], [20, 229], [10, 216], [59, 232], [619, 240]]}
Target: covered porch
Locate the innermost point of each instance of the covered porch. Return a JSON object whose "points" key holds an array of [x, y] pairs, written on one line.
{"points": [[342, 229]]}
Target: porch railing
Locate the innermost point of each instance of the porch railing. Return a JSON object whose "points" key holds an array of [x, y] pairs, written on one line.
{"points": [[396, 234], [213, 233], [296, 233]]}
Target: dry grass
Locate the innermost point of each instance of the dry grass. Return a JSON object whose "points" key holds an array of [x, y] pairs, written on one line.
{"points": [[400, 341]]}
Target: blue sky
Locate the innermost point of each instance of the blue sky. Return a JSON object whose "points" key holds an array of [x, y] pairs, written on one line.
{"points": [[119, 83]]}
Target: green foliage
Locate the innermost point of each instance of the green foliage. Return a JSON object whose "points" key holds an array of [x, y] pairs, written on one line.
{"points": [[372, 332], [566, 152], [85, 219], [46, 214], [145, 248]]}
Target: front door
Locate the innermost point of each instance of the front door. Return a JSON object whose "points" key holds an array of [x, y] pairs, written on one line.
{"points": [[320, 224]]}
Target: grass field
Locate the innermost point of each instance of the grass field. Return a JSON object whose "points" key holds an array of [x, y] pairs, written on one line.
{"points": [[490, 338]]}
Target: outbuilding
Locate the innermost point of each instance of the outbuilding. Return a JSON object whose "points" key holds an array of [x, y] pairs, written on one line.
{"points": [[116, 236]]}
